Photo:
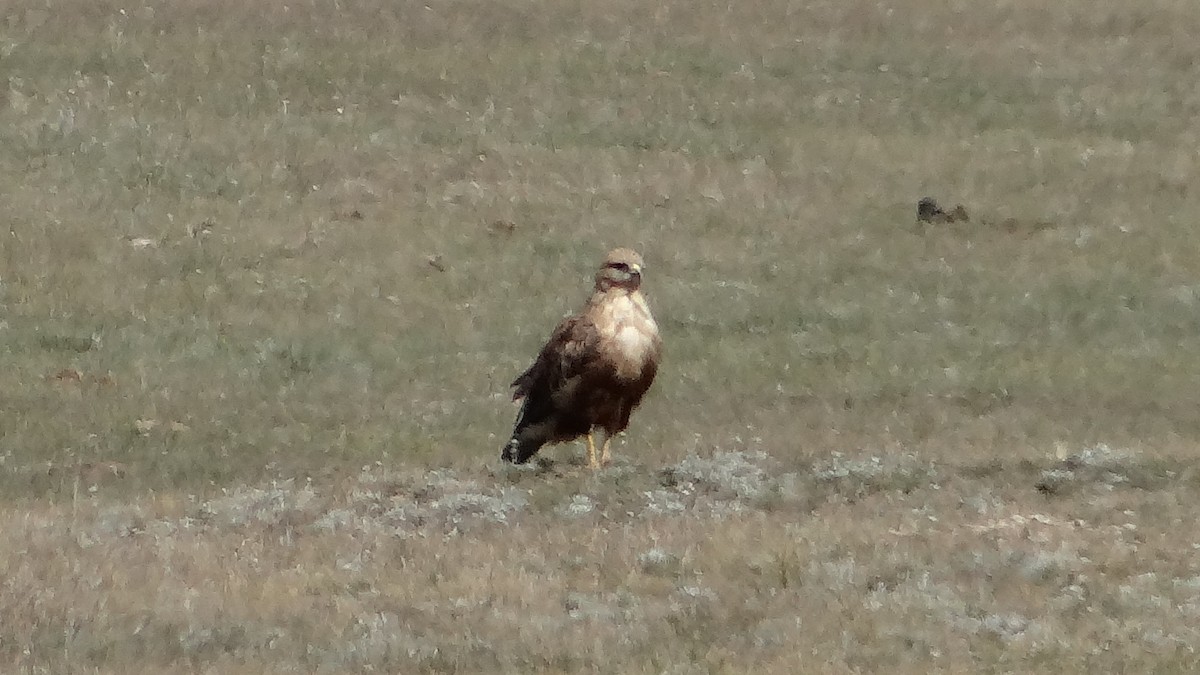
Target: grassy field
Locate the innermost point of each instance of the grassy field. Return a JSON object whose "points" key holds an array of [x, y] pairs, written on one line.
{"points": [[267, 268]]}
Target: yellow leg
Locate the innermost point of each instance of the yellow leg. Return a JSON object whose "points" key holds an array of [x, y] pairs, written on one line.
{"points": [[591, 452], [604, 458]]}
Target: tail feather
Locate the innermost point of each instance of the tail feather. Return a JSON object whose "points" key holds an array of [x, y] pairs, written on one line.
{"points": [[528, 435], [518, 452]]}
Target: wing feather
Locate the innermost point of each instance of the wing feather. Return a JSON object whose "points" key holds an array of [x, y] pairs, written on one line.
{"points": [[558, 367]]}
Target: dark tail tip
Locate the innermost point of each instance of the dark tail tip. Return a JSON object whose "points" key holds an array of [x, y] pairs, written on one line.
{"points": [[506, 453], [516, 453]]}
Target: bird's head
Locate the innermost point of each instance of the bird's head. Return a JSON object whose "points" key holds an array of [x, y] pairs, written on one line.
{"points": [[622, 268]]}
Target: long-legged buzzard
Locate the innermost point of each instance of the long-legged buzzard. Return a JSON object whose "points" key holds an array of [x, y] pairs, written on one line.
{"points": [[594, 370]]}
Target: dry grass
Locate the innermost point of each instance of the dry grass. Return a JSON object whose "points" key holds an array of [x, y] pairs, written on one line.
{"points": [[252, 248]]}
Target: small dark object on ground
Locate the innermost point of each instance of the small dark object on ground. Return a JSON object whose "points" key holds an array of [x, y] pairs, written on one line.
{"points": [[928, 211]]}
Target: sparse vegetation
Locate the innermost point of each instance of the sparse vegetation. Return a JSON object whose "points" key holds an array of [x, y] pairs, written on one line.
{"points": [[267, 268]]}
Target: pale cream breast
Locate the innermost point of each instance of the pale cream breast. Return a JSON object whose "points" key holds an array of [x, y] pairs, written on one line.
{"points": [[628, 308], [625, 320], [635, 344]]}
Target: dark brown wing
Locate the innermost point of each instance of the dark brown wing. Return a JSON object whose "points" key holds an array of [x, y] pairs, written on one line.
{"points": [[548, 386], [563, 357]]}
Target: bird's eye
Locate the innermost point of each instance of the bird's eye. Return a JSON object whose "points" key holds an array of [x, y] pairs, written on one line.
{"points": [[621, 266]]}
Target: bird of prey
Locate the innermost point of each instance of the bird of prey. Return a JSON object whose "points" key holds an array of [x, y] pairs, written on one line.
{"points": [[594, 369]]}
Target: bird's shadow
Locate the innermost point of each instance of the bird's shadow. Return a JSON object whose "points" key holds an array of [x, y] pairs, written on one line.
{"points": [[542, 468]]}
